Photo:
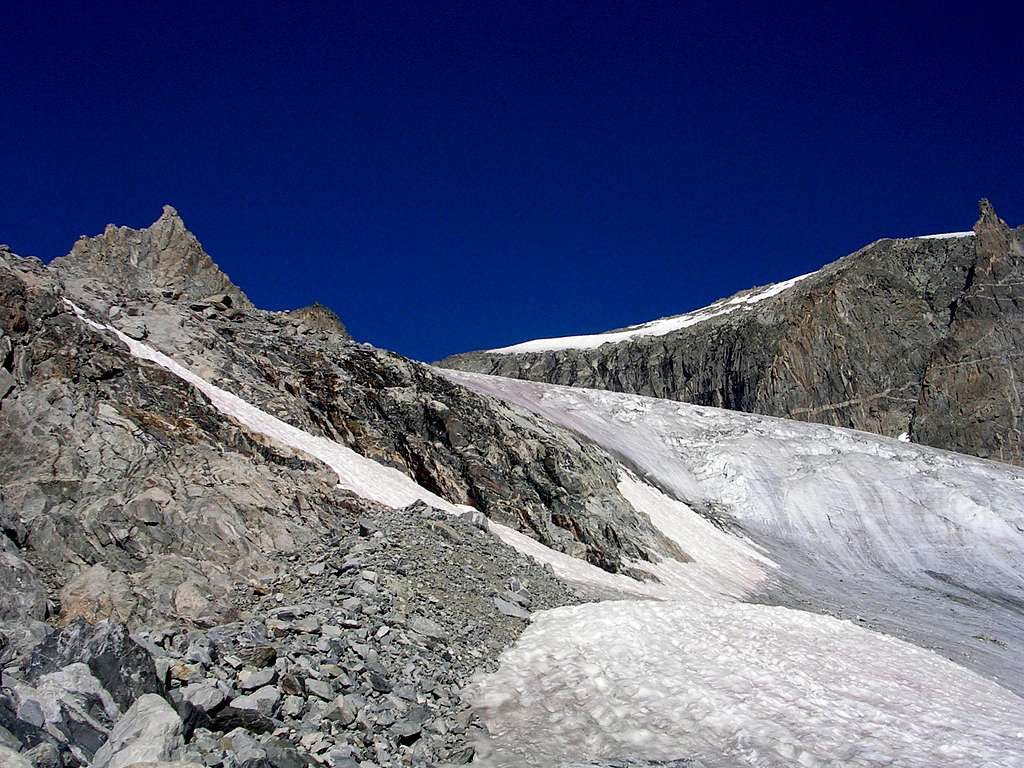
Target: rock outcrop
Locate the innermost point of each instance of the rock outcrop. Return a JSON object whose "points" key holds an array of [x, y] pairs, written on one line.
{"points": [[319, 318], [163, 260], [922, 337]]}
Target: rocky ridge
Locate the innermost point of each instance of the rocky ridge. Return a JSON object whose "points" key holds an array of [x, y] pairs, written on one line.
{"points": [[918, 336], [134, 514]]}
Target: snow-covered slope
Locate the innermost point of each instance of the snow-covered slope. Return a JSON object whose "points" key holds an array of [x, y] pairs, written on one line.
{"points": [[920, 543], [943, 236], [909, 541], [730, 684]]}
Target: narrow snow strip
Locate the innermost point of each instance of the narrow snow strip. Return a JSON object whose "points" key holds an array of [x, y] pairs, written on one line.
{"points": [[721, 565], [659, 327], [575, 571], [943, 236], [737, 685], [356, 473]]}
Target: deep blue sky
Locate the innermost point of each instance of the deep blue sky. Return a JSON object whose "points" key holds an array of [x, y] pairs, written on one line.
{"points": [[455, 177]]}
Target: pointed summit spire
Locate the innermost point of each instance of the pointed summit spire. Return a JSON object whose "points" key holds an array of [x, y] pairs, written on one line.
{"points": [[164, 258], [993, 243], [988, 218]]}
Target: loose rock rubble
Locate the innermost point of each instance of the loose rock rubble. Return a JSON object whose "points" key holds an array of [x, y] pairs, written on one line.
{"points": [[354, 655]]}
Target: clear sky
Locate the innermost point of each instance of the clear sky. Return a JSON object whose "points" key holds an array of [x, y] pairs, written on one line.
{"points": [[452, 177]]}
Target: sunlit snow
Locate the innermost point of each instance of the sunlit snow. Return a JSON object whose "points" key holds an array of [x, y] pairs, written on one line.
{"points": [[943, 236], [738, 685], [924, 544]]}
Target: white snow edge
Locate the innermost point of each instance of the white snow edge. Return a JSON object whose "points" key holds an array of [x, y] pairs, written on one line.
{"points": [[659, 327]]}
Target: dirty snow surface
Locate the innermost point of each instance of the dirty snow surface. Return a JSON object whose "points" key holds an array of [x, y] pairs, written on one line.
{"points": [[743, 302], [738, 684], [897, 554]]}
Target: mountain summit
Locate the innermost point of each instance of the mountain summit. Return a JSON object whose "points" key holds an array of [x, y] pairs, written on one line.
{"points": [[164, 260]]}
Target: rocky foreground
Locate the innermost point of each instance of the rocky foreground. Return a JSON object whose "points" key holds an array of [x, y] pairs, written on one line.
{"points": [[354, 655], [919, 337]]}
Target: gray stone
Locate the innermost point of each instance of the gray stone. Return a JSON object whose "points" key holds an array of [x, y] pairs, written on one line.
{"points": [[511, 609], [150, 731], [205, 695], [426, 627], [341, 711], [7, 383], [320, 688], [250, 680], [11, 759], [264, 700]]}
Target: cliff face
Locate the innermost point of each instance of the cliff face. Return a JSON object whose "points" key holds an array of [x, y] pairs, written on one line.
{"points": [[921, 336]]}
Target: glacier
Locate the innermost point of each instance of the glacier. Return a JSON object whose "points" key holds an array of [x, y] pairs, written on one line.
{"points": [[896, 555]]}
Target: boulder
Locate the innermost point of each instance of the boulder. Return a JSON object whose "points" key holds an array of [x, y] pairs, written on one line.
{"points": [[150, 731], [22, 594], [124, 667], [263, 700], [98, 593], [11, 759]]}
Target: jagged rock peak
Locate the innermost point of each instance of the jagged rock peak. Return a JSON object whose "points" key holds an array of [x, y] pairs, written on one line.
{"points": [[999, 253], [988, 218], [164, 258], [320, 318]]}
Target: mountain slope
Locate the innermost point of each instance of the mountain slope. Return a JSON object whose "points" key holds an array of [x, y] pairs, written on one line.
{"points": [[919, 336], [107, 462]]}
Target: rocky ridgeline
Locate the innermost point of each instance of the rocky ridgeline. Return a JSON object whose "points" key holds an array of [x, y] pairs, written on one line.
{"points": [[918, 336], [177, 588]]}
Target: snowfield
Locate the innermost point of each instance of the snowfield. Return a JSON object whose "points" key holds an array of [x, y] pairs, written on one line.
{"points": [[737, 684], [682, 669], [907, 541], [659, 327], [923, 544]]}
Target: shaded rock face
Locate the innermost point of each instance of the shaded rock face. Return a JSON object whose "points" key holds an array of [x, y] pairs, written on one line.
{"points": [[122, 666], [974, 379], [918, 336], [163, 260]]}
